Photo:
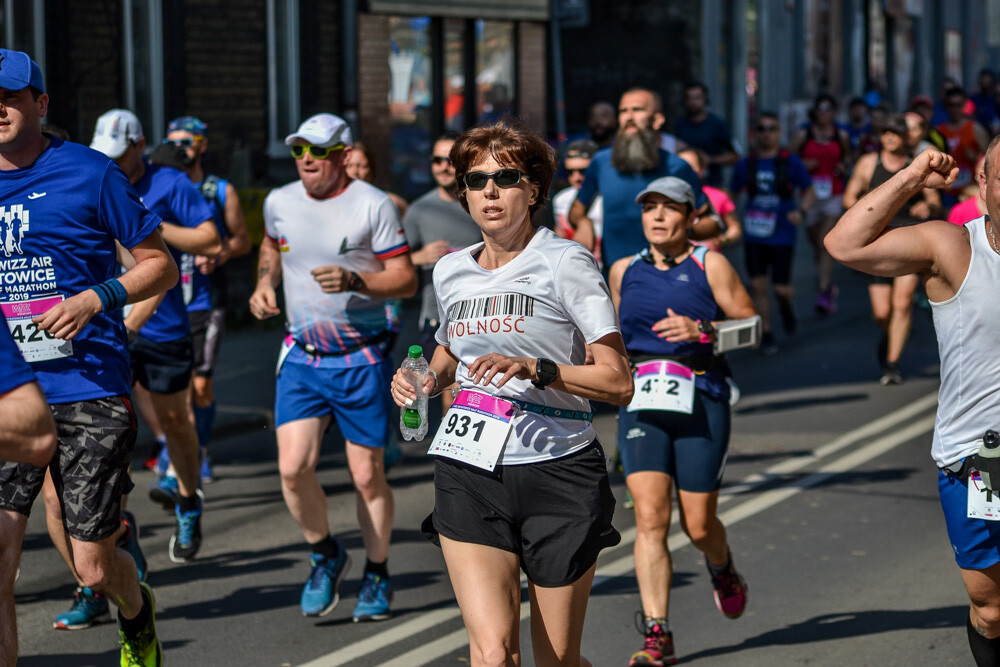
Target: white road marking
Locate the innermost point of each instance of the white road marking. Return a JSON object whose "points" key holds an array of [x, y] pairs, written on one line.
{"points": [[435, 649]]}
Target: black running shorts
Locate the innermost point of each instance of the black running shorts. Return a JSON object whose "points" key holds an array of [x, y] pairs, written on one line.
{"points": [[556, 515], [162, 367]]}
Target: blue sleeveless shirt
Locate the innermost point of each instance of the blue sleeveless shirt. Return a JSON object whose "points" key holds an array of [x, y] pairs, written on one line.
{"points": [[647, 293]]}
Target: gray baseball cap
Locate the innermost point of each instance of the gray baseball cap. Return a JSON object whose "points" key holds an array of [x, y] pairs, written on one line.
{"points": [[671, 187]]}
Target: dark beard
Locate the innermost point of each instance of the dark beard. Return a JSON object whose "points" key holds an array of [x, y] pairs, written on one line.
{"points": [[636, 153]]}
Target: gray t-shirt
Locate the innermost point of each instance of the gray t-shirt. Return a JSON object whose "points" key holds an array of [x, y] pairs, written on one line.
{"points": [[430, 219]]}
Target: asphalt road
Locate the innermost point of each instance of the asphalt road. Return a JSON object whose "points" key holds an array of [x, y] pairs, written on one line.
{"points": [[829, 499]]}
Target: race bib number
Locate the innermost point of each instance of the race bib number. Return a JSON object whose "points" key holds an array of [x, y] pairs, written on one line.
{"points": [[34, 343], [663, 385], [474, 430], [760, 223], [823, 186], [982, 503]]}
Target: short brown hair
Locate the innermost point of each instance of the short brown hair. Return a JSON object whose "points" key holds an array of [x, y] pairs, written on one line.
{"points": [[511, 144]]}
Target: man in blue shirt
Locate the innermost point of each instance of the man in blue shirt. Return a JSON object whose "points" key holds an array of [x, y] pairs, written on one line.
{"points": [[162, 349], [702, 129], [779, 191], [623, 171], [62, 295]]}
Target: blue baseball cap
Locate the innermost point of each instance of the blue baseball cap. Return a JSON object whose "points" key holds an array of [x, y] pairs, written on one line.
{"points": [[187, 124], [18, 71]]}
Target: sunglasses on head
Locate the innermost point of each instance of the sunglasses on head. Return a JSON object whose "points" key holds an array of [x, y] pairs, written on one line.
{"points": [[504, 178], [183, 143], [441, 159], [299, 151]]}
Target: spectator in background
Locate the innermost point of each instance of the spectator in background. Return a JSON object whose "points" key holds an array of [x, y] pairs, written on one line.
{"points": [[857, 126], [923, 106], [361, 165], [578, 156], [986, 104], [602, 121], [967, 140], [728, 230], [825, 151], [916, 133], [972, 205], [699, 128]]}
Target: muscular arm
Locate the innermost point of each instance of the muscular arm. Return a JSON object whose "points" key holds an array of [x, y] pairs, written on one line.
{"points": [[200, 240], [146, 303], [937, 250], [397, 279], [727, 288], [27, 432]]}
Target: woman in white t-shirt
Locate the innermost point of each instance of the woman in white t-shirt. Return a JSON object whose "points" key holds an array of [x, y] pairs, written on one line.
{"points": [[520, 478]]}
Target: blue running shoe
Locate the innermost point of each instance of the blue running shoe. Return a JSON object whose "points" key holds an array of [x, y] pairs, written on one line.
{"points": [[373, 599], [165, 491], [88, 609], [130, 543], [206, 473], [162, 461], [186, 540], [322, 590]]}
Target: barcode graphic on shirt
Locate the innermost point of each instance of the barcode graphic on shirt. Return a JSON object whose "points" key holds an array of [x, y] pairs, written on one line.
{"points": [[501, 304]]}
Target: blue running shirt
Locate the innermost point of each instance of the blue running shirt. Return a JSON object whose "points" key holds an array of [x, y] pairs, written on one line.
{"points": [[59, 219], [172, 196], [197, 286], [16, 371]]}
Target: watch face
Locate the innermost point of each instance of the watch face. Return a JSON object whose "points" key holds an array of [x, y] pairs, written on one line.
{"points": [[546, 371], [705, 326]]}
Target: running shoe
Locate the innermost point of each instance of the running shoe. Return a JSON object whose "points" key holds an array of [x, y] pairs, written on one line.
{"points": [[154, 456], [788, 319], [657, 648], [162, 461], [130, 543], [207, 474], [144, 649], [322, 590], [88, 609], [165, 491], [826, 301], [890, 374], [186, 540], [373, 599], [730, 589]]}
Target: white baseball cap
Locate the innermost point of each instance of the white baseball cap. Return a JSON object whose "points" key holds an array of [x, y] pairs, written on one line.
{"points": [[115, 131], [323, 130]]}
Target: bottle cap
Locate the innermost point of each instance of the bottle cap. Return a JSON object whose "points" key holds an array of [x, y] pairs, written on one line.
{"points": [[416, 352]]}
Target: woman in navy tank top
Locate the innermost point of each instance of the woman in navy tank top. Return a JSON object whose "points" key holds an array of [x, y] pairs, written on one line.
{"points": [[676, 430]]}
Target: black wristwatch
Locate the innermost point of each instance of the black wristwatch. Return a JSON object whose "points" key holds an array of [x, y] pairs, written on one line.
{"points": [[355, 284], [706, 327], [547, 371]]}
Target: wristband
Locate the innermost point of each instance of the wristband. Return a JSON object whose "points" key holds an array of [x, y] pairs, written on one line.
{"points": [[112, 295]]}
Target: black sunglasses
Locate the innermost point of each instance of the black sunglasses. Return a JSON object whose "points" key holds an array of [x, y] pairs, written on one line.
{"points": [[441, 159], [576, 171], [504, 178], [767, 128], [183, 143]]}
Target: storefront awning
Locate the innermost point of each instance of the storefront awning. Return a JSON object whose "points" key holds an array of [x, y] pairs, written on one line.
{"points": [[509, 10]]}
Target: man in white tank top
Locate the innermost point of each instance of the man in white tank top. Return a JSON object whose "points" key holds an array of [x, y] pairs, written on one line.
{"points": [[960, 269]]}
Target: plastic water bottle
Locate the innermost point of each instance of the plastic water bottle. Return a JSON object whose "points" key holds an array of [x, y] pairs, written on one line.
{"points": [[987, 460], [413, 420]]}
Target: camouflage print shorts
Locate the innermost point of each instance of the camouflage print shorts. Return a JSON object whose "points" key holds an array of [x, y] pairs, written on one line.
{"points": [[90, 467]]}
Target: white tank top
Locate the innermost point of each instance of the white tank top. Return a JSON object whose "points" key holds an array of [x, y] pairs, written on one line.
{"points": [[967, 327]]}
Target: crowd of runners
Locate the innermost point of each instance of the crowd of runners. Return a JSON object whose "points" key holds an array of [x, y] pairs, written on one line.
{"points": [[533, 301]]}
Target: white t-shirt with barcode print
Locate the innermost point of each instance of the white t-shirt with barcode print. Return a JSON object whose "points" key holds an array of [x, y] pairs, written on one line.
{"points": [[549, 301]]}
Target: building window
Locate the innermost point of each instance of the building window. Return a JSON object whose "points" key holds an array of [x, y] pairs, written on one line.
{"points": [[411, 99], [494, 70], [283, 98], [143, 55]]}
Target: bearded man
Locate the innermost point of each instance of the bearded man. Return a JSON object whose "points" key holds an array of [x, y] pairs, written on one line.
{"points": [[621, 172]]}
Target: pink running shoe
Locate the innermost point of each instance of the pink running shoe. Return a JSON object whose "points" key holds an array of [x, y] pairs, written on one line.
{"points": [[826, 301], [730, 590], [657, 649]]}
